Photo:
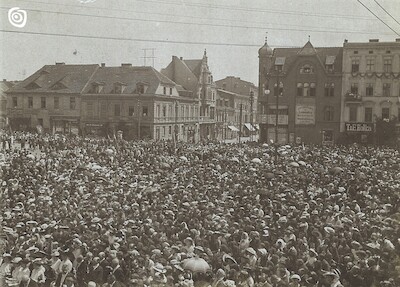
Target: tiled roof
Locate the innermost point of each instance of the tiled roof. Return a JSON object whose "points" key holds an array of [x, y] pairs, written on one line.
{"points": [[130, 77], [194, 66], [292, 54], [73, 77]]}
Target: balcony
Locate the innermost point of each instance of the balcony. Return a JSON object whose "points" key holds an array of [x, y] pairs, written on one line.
{"points": [[352, 98], [206, 120]]}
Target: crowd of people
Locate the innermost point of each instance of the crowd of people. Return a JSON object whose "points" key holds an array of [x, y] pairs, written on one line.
{"points": [[99, 212]]}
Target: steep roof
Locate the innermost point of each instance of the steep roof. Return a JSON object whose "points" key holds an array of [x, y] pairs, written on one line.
{"points": [[71, 79], [129, 77], [292, 54], [308, 49], [194, 66]]}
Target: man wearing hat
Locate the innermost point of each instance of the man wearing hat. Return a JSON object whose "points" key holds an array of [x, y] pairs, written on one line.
{"points": [[38, 271], [96, 271], [63, 270]]}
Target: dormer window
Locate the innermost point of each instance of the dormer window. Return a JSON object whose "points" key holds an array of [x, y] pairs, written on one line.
{"points": [[307, 69], [140, 88], [32, 86], [329, 61], [119, 88], [96, 88], [58, 86], [279, 62]]}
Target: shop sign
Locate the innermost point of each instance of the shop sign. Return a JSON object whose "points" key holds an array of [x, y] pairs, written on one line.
{"points": [[305, 115], [359, 127]]}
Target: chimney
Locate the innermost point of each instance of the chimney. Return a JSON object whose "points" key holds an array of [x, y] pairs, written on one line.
{"points": [[181, 58], [103, 65], [346, 41], [60, 63], [397, 39], [4, 80], [373, 40], [126, 65]]}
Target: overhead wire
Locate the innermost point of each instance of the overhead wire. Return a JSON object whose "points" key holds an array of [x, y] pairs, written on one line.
{"points": [[196, 23], [387, 12], [387, 25]]}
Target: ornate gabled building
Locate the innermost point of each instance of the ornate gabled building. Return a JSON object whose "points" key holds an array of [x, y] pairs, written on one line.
{"points": [[299, 94], [195, 76]]}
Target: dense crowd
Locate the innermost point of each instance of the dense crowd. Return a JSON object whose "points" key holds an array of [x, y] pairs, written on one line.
{"points": [[100, 212]]}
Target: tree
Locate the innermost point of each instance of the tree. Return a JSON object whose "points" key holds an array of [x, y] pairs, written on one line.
{"points": [[385, 131]]}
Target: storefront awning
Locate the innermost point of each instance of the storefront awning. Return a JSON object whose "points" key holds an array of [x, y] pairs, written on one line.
{"points": [[257, 126], [233, 128], [249, 127]]}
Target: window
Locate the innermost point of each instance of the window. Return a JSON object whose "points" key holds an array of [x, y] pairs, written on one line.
{"points": [[354, 88], [14, 102], [299, 89], [352, 114], [145, 111], [163, 131], [328, 113], [131, 111], [117, 110], [56, 102], [169, 130], [398, 114], [170, 91], [329, 67], [368, 115], [355, 65], [306, 89], [330, 90], [386, 90], [97, 88], [30, 102], [355, 52], [387, 65], [43, 102], [276, 92], [182, 111], [370, 65], [312, 90], [279, 68], [385, 113], [209, 80], [164, 111], [103, 109], [90, 109], [158, 113], [369, 90], [165, 90], [72, 103], [370, 52], [306, 69]]}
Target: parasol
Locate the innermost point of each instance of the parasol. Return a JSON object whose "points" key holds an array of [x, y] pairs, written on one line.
{"points": [[196, 265], [256, 160], [294, 164]]}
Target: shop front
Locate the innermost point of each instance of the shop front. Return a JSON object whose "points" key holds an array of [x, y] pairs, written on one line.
{"points": [[362, 133]]}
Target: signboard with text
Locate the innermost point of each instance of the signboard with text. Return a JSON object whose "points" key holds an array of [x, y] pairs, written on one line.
{"points": [[305, 115], [359, 127], [282, 119]]}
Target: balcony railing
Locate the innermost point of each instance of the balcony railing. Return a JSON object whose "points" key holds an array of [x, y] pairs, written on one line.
{"points": [[352, 97]]}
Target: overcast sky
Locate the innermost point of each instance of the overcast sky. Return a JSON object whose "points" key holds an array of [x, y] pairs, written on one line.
{"points": [[232, 31]]}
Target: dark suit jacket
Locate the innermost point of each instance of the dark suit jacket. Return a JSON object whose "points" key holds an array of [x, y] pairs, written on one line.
{"points": [[96, 275], [119, 275]]}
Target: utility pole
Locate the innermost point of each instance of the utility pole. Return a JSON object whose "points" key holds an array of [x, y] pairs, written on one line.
{"points": [[240, 122], [145, 57], [276, 116]]}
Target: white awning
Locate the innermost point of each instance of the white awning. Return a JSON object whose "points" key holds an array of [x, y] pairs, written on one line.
{"points": [[249, 127], [257, 126], [233, 128]]}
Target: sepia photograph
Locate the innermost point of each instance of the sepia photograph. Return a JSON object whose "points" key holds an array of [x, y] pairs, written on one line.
{"points": [[199, 143]]}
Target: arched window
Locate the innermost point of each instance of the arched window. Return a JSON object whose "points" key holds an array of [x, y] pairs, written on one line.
{"points": [[307, 69]]}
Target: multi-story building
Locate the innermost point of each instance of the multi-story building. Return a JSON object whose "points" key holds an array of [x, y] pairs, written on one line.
{"points": [[92, 99], [195, 76], [371, 87], [141, 102], [49, 98], [235, 94], [234, 116], [4, 86], [300, 94]]}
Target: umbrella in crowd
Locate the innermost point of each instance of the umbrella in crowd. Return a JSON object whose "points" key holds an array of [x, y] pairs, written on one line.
{"points": [[104, 212]]}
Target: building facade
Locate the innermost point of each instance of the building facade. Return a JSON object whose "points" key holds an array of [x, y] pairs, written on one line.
{"points": [[50, 98], [195, 76], [4, 86], [234, 115], [93, 99], [371, 88], [139, 101], [300, 94]]}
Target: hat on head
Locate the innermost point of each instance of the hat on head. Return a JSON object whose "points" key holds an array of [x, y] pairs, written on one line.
{"points": [[16, 260]]}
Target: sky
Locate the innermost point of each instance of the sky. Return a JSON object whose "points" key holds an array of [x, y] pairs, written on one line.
{"points": [[231, 31]]}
